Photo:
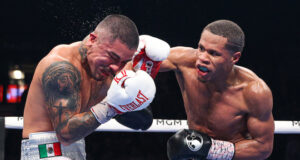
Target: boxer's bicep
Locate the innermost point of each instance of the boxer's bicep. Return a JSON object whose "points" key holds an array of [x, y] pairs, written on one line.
{"points": [[178, 58], [260, 143], [61, 84], [167, 65], [260, 121], [260, 124], [171, 63], [262, 132]]}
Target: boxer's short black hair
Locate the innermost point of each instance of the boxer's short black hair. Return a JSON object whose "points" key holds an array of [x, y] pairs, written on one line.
{"points": [[230, 30], [121, 27]]}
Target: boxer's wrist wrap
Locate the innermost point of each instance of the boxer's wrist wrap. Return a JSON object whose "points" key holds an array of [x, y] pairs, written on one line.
{"points": [[103, 112], [221, 150]]}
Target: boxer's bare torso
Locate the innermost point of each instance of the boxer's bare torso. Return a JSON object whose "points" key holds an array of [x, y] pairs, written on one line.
{"points": [[223, 112], [236, 107], [91, 92]]}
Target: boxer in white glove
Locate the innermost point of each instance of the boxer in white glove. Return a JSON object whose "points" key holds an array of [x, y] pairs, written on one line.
{"points": [[129, 91], [150, 54]]}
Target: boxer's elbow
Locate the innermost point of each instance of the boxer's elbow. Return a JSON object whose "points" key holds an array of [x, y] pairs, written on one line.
{"points": [[266, 150], [64, 139]]}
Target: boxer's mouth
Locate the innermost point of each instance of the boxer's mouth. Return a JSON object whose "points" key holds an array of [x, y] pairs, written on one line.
{"points": [[111, 72], [202, 69], [107, 72]]}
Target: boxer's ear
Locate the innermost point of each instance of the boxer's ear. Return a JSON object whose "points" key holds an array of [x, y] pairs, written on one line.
{"points": [[236, 57], [92, 38]]}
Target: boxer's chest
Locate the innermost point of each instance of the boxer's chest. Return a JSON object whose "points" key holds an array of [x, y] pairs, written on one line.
{"points": [[220, 114]]}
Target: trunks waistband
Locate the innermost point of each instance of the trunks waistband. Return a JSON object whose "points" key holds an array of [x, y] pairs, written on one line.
{"points": [[45, 144]]}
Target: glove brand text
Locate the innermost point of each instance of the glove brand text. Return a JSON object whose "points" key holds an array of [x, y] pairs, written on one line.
{"points": [[140, 99]]}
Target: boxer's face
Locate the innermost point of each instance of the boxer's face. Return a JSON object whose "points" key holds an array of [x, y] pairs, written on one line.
{"points": [[213, 59], [106, 58]]}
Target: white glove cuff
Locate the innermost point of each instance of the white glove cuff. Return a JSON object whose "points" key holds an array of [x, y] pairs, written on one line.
{"points": [[221, 150], [103, 112]]}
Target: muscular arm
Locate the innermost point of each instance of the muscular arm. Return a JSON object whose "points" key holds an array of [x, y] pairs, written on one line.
{"points": [[260, 124], [61, 86], [178, 56]]}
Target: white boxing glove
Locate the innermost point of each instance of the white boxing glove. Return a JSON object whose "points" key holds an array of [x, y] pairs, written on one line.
{"points": [[129, 91], [150, 54]]}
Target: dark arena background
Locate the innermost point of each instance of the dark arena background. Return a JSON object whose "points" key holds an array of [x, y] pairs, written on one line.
{"points": [[30, 28]]}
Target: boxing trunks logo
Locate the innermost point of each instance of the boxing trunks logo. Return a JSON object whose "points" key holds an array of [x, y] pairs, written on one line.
{"points": [[49, 150], [194, 142]]}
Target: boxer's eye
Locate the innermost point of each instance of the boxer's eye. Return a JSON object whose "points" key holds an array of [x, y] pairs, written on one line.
{"points": [[114, 56], [214, 53], [201, 48]]}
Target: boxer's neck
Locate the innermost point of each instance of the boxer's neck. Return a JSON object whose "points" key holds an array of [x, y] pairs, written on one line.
{"points": [[82, 50], [221, 84]]}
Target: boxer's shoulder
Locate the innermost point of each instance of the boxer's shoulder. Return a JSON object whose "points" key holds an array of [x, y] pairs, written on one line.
{"points": [[64, 51], [52, 64], [61, 54], [248, 77], [256, 92], [258, 98]]}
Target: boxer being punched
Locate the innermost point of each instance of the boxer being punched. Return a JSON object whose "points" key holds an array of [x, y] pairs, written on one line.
{"points": [[228, 107], [66, 99]]}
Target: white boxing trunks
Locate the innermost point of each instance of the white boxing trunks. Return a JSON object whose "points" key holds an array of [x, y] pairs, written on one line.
{"points": [[45, 146]]}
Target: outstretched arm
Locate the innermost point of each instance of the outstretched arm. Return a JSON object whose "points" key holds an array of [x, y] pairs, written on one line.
{"points": [[61, 85], [169, 63], [260, 124], [178, 56]]}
